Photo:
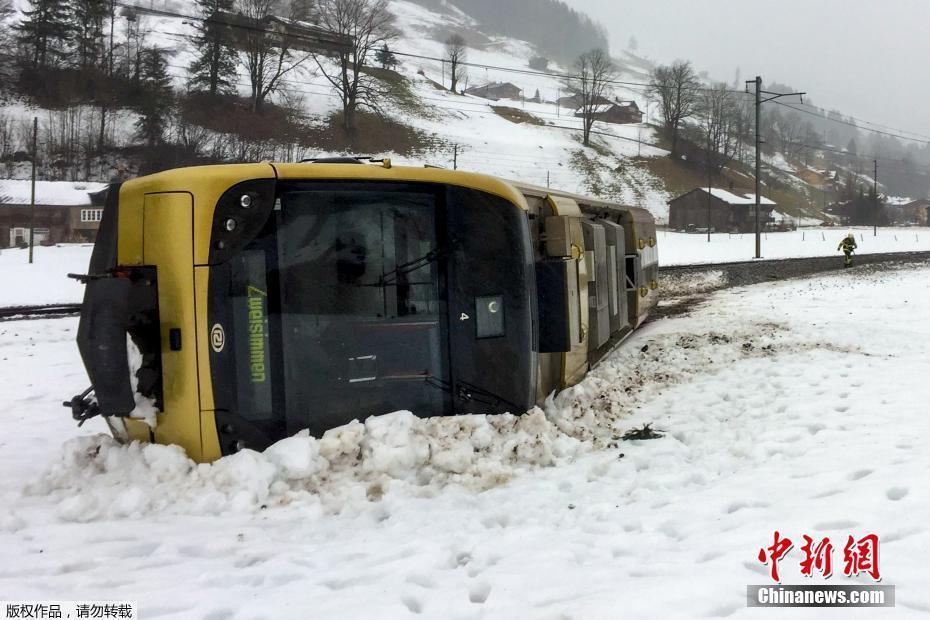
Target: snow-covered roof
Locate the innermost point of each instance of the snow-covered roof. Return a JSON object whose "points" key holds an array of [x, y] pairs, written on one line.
{"points": [[603, 108], [736, 199], [57, 193]]}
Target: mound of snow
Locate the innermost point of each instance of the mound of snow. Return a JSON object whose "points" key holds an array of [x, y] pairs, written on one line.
{"points": [[98, 478]]}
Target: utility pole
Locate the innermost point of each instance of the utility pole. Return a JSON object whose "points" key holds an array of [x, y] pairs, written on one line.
{"points": [[875, 191], [455, 156], [32, 200], [759, 102], [758, 167], [709, 185]]}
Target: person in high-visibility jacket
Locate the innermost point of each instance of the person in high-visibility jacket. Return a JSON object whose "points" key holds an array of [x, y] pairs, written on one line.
{"points": [[848, 246]]}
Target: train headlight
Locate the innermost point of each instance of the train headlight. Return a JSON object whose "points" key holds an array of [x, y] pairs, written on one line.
{"points": [[652, 242], [239, 216], [653, 284], [642, 244], [643, 291]]}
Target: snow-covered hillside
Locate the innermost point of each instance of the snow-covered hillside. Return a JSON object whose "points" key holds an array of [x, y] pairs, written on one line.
{"points": [[540, 143]]}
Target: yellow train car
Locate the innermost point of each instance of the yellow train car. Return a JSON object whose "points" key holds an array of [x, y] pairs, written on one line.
{"points": [[235, 305]]}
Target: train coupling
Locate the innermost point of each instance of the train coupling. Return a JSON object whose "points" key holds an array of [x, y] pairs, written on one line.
{"points": [[83, 406]]}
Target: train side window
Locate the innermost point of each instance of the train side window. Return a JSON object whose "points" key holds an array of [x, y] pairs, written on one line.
{"points": [[631, 272]]}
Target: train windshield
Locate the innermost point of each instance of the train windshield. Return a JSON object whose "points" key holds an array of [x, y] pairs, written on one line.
{"points": [[335, 310]]}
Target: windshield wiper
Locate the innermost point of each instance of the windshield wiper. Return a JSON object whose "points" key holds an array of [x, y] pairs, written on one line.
{"points": [[472, 393], [390, 278]]}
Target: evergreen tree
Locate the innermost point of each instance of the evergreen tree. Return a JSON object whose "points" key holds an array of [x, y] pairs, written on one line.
{"points": [[45, 32], [385, 57], [157, 97], [214, 69], [89, 17]]}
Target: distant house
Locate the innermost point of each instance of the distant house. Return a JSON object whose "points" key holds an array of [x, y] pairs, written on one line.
{"points": [[573, 102], [619, 113], [906, 211], [241, 31], [64, 212], [495, 91], [730, 210], [917, 212]]}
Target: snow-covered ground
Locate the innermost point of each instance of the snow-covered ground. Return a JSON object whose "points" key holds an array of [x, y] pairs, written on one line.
{"points": [[798, 406], [683, 248], [45, 281]]}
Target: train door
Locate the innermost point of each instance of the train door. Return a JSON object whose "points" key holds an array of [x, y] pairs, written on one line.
{"points": [[565, 237], [168, 244]]}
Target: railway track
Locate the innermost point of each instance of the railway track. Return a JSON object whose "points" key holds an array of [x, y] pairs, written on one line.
{"points": [[741, 273], [836, 261], [738, 273], [687, 286], [47, 311]]}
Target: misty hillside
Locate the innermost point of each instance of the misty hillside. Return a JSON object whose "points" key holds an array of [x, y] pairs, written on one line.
{"points": [[139, 106], [552, 27]]}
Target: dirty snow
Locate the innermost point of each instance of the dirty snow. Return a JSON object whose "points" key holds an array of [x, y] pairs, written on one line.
{"points": [[784, 407]]}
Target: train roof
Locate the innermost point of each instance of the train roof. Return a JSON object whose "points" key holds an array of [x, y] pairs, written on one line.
{"points": [[587, 203], [513, 191]]}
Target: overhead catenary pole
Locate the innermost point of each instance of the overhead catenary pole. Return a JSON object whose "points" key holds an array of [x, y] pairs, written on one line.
{"points": [[709, 187], [875, 191], [758, 167], [759, 102], [455, 156], [32, 199]]}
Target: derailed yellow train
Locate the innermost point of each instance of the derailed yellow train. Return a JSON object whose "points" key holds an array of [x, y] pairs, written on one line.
{"points": [[263, 299]]}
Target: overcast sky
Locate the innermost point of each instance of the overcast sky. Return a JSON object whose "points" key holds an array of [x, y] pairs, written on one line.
{"points": [[867, 58]]}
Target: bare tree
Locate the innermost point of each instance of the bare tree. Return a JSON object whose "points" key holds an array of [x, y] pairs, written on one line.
{"points": [[6, 10], [717, 117], [370, 25], [267, 56], [456, 54], [594, 72], [675, 86], [789, 131]]}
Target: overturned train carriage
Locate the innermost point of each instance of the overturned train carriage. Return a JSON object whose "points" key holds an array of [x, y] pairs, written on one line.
{"points": [[262, 299]]}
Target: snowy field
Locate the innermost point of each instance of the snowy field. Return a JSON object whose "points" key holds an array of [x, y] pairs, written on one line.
{"points": [[45, 281], [683, 249], [798, 406]]}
